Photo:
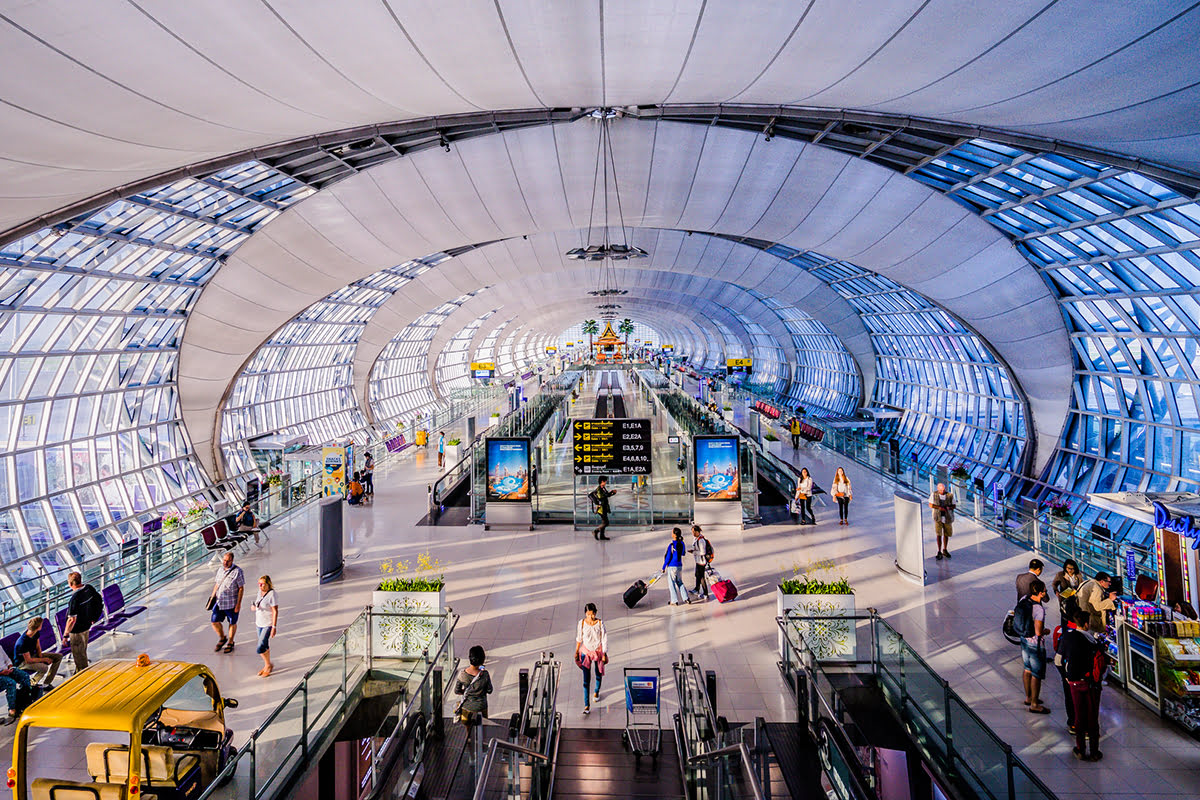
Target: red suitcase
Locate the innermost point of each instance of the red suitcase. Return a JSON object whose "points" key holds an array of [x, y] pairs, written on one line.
{"points": [[722, 589]]}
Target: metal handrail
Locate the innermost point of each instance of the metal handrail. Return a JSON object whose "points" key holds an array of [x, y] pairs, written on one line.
{"points": [[949, 695], [545, 663], [344, 690], [488, 760], [738, 749]]}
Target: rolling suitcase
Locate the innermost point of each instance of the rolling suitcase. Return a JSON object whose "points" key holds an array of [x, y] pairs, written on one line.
{"points": [[722, 589], [635, 593]]}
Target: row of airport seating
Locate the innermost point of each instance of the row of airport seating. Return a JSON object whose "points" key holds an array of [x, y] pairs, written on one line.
{"points": [[116, 614]]}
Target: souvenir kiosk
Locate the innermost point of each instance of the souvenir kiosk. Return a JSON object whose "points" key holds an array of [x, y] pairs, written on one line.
{"points": [[1158, 647]]}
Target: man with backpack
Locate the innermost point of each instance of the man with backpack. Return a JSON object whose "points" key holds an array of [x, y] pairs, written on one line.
{"points": [[1029, 621], [85, 610], [702, 551], [1085, 665]]}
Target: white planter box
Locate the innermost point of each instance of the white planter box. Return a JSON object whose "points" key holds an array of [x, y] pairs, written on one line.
{"points": [[775, 448], [828, 639], [405, 637], [452, 455], [727, 414]]}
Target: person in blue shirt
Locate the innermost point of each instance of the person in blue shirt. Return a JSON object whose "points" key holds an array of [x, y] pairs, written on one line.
{"points": [[673, 566], [28, 655]]}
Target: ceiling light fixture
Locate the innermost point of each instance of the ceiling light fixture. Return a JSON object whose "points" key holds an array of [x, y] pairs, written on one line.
{"points": [[604, 248]]}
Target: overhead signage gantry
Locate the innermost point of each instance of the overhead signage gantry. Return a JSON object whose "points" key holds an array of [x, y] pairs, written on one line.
{"points": [[612, 447]]}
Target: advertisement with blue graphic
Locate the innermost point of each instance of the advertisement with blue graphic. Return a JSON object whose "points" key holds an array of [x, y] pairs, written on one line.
{"points": [[508, 470], [716, 468]]}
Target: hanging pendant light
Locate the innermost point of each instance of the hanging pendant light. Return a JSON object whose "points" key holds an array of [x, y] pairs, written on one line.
{"points": [[601, 247]]}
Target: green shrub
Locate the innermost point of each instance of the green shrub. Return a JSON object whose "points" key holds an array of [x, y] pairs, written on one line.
{"points": [[422, 581], [806, 585], [770, 437], [454, 442], [415, 584]]}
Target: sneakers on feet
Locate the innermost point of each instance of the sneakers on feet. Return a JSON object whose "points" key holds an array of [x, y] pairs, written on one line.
{"points": [[587, 710], [946, 553], [939, 555]]}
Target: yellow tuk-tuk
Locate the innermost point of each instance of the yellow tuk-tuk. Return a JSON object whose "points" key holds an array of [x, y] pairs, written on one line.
{"points": [[152, 729]]}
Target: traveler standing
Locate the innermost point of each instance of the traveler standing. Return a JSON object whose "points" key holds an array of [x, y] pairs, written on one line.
{"points": [[599, 497], [672, 565], [1066, 585], [16, 686], [841, 493], [795, 430], [85, 610], [702, 552], [368, 474], [28, 655], [226, 602], [1030, 622], [1097, 598], [942, 503], [474, 684], [1079, 650], [1026, 579], [441, 449], [266, 619], [804, 495], [591, 650]]}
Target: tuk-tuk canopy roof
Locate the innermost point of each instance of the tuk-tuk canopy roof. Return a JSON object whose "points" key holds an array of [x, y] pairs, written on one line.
{"points": [[112, 695]]}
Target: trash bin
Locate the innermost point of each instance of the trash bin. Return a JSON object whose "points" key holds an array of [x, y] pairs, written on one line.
{"points": [[422, 438]]}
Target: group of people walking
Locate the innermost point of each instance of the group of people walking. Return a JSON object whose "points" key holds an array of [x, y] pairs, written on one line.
{"points": [[677, 554], [225, 603], [806, 489], [1079, 645]]}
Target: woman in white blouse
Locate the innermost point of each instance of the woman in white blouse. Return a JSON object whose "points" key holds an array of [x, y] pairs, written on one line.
{"points": [[841, 493], [591, 649], [804, 494]]}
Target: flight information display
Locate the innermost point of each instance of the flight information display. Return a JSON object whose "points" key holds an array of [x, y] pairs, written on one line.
{"points": [[612, 447]]}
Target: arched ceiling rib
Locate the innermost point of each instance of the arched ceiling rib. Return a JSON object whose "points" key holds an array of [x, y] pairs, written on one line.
{"points": [[672, 175], [155, 87], [523, 267]]}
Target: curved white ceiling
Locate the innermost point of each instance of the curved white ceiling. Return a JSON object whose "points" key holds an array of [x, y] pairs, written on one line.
{"points": [[672, 176], [518, 272], [99, 94]]}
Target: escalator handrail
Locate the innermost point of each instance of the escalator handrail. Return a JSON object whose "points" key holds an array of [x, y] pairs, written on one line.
{"points": [[485, 771], [555, 670], [743, 754]]}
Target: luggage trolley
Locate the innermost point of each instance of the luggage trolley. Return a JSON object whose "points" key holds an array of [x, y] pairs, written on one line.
{"points": [[643, 714]]}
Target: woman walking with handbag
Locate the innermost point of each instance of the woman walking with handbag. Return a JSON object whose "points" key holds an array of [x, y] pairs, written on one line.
{"points": [[804, 494], [591, 650], [841, 493], [474, 684]]}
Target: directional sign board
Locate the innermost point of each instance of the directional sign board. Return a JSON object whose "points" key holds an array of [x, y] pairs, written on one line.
{"points": [[612, 447]]}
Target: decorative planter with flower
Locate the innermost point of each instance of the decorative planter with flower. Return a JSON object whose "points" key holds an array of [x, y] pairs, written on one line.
{"points": [[815, 592], [452, 451], [1059, 508], [404, 592], [772, 444], [172, 520]]}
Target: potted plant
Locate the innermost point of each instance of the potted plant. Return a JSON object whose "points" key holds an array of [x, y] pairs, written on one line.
{"points": [[771, 444], [727, 412], [171, 520], [403, 590], [452, 448], [1060, 508], [816, 590]]}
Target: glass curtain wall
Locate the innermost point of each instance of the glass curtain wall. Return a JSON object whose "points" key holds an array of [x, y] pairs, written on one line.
{"points": [[92, 314], [959, 403], [1120, 252]]}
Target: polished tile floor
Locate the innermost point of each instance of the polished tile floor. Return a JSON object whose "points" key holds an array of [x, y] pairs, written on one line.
{"points": [[520, 593]]}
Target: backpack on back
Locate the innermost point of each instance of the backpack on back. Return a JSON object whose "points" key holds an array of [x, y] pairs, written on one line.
{"points": [[1023, 618], [94, 608]]}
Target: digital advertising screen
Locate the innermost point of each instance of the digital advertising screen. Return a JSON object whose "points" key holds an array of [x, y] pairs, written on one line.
{"points": [[508, 470], [716, 468]]}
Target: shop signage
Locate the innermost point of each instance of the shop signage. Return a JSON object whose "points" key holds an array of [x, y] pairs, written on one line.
{"points": [[1184, 526], [1130, 566], [738, 362], [478, 365], [612, 446]]}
